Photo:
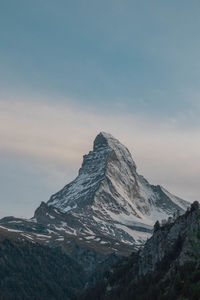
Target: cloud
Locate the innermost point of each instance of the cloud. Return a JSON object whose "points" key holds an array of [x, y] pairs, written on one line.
{"points": [[53, 138]]}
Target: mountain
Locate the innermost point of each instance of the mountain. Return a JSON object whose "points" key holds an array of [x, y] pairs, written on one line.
{"points": [[109, 200], [167, 268], [107, 212]]}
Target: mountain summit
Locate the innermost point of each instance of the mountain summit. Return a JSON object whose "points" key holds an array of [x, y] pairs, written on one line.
{"points": [[109, 201], [108, 160]]}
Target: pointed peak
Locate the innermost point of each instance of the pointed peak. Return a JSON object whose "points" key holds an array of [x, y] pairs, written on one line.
{"points": [[105, 139], [100, 141]]}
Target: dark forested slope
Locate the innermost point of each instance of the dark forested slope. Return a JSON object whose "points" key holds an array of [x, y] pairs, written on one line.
{"points": [[31, 271]]}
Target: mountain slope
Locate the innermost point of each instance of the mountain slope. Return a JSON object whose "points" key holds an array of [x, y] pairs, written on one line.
{"points": [[31, 271], [167, 268]]}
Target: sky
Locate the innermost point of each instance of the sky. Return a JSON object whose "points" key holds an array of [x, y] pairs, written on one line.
{"points": [[70, 69]]}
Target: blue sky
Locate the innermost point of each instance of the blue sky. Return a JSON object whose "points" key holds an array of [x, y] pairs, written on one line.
{"points": [[101, 60]]}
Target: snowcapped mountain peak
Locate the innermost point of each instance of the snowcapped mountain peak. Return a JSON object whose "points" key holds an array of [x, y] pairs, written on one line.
{"points": [[108, 160], [111, 198]]}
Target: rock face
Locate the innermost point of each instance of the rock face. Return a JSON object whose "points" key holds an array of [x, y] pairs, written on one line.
{"points": [[170, 236], [168, 267]]}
